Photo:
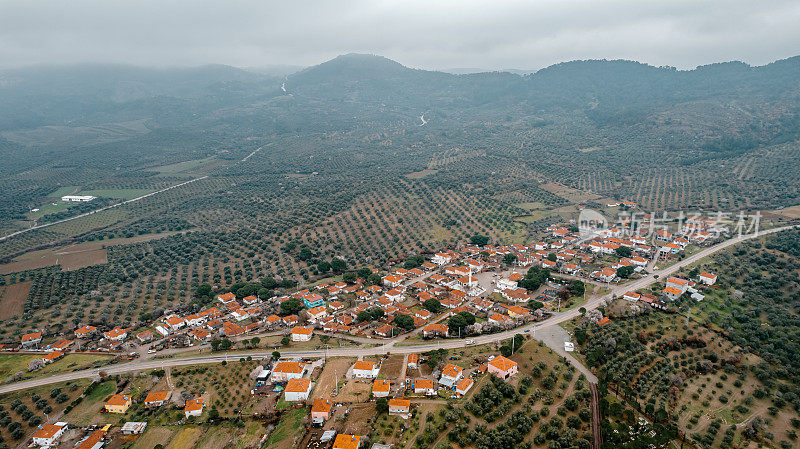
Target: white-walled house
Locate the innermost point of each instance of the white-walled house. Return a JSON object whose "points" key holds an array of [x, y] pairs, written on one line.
{"points": [[364, 369], [708, 278], [297, 390]]}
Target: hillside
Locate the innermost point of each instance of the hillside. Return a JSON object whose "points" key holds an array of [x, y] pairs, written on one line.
{"points": [[360, 158]]}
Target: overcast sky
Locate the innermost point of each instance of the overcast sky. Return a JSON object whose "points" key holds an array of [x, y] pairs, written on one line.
{"points": [[430, 34]]}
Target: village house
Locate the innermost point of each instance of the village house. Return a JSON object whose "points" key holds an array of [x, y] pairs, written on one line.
{"points": [[424, 314], [708, 278], [441, 259], [631, 296], [413, 360], [434, 330], [297, 390], [52, 356], [364, 369], [85, 331], [314, 314], [343, 441], [570, 268], [48, 434], [116, 334], [392, 280], [93, 441], [380, 388], [671, 293], [394, 295], [607, 274], [157, 398], [60, 345], [321, 411], [516, 295], [133, 428], [284, 371], [174, 322], [300, 333], [194, 407], [450, 375], [144, 336], [425, 387], [399, 407], [385, 331], [312, 300], [678, 284], [502, 367], [31, 339], [499, 319], [517, 312], [506, 284], [119, 403], [463, 386]]}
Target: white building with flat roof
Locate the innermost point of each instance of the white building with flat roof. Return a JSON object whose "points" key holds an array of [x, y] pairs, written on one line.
{"points": [[78, 198]]}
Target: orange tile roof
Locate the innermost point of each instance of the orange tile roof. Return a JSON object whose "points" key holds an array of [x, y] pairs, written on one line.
{"points": [[676, 280], [156, 396], [518, 310], [85, 329], [424, 384], [193, 405], [227, 297], [502, 363], [53, 355], [62, 344], [321, 406], [288, 367], [398, 402], [381, 385], [672, 291], [31, 336], [364, 365], [346, 441], [302, 330], [413, 358], [114, 333], [46, 431], [118, 399], [451, 370], [298, 385], [464, 384], [174, 320], [92, 439], [603, 321]]}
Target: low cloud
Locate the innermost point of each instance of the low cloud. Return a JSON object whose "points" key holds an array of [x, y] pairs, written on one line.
{"points": [[424, 34]]}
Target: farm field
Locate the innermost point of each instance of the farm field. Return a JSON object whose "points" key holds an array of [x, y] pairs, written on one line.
{"points": [[88, 412], [335, 368], [50, 399], [225, 387], [74, 256], [707, 397], [392, 367], [12, 299]]}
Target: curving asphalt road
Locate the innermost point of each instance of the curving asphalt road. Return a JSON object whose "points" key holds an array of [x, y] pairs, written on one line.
{"points": [[391, 346]]}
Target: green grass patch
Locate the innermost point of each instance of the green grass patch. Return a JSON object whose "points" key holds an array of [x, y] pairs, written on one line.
{"points": [[101, 391], [290, 425], [66, 190]]}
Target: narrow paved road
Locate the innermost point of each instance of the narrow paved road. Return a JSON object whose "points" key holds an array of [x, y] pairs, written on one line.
{"points": [[390, 346]]}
